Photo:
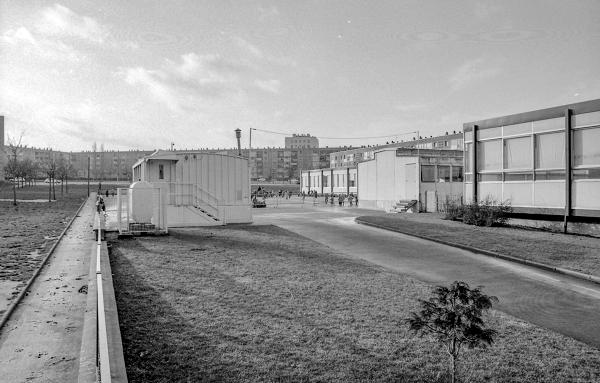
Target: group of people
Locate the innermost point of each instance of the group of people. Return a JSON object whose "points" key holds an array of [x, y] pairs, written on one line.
{"points": [[341, 199]]}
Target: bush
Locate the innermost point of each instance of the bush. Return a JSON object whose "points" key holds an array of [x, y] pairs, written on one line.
{"points": [[488, 212], [453, 210]]}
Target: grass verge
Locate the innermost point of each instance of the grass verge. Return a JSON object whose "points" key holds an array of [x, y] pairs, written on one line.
{"points": [[578, 253], [258, 303]]}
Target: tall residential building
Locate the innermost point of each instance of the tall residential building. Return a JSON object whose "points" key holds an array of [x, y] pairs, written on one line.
{"points": [[301, 141]]}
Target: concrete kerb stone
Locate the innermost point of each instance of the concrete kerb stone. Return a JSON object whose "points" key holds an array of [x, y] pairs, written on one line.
{"points": [[24, 291], [543, 266], [88, 371]]}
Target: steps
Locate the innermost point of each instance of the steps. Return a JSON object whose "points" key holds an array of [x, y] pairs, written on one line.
{"points": [[404, 206], [207, 213]]}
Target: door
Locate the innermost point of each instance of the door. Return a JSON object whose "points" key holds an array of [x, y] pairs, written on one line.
{"points": [[410, 181]]}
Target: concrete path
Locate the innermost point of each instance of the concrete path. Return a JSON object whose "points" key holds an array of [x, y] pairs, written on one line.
{"points": [[558, 302], [41, 342]]}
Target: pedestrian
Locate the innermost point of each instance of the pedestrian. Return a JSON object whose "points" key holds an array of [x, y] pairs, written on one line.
{"points": [[340, 199], [106, 193], [326, 199], [350, 199], [356, 200]]}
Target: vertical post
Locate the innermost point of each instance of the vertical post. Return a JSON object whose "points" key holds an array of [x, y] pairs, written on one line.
{"points": [[331, 181], [88, 176], [309, 181], [568, 177], [474, 162], [119, 207], [347, 181], [321, 181]]}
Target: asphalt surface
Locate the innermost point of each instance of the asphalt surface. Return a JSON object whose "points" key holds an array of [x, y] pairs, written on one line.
{"points": [[558, 302]]}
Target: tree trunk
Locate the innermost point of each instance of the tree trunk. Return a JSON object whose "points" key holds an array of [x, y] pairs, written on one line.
{"points": [[14, 194], [62, 186], [53, 188], [50, 189], [453, 372]]}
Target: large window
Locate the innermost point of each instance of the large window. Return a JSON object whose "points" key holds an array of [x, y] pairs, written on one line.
{"points": [[427, 173], [550, 151], [161, 171], [489, 155], [443, 173], [586, 147], [517, 153]]}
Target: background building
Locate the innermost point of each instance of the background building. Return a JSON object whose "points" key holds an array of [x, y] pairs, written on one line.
{"points": [[544, 162], [301, 141], [352, 156]]}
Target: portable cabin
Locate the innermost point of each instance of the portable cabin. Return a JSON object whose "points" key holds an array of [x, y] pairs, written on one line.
{"points": [[404, 177], [341, 180], [201, 189]]}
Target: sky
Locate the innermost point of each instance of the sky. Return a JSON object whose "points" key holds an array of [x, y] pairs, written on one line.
{"points": [[144, 74]]}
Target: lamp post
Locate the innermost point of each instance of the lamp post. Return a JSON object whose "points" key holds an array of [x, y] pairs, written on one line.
{"points": [[238, 135]]}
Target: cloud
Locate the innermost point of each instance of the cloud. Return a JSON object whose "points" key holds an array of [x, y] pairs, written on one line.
{"points": [[256, 53], [271, 86], [403, 107], [266, 14], [59, 20], [472, 71], [19, 36], [182, 84], [22, 38]]}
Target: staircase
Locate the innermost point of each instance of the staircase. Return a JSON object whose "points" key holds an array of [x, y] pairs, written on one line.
{"points": [[404, 206], [208, 214], [207, 203]]}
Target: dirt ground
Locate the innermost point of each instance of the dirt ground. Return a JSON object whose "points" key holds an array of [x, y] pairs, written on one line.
{"points": [[258, 303], [575, 252], [27, 232]]}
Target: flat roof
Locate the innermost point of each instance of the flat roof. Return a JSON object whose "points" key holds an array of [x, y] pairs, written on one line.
{"points": [[534, 115]]}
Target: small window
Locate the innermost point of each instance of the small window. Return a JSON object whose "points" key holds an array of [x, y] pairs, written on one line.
{"points": [[586, 174], [427, 173], [457, 174], [489, 177], [518, 176], [443, 173], [161, 172]]}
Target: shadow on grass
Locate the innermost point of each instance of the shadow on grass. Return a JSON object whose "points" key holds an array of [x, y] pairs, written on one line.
{"points": [[159, 345]]}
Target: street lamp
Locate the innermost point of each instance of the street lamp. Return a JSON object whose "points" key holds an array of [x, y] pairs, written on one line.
{"points": [[238, 135]]}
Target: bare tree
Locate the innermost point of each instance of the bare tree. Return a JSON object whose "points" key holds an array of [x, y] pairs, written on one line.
{"points": [[50, 170], [12, 168]]}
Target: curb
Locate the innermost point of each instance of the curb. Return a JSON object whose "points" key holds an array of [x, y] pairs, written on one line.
{"points": [[543, 266], [37, 272]]}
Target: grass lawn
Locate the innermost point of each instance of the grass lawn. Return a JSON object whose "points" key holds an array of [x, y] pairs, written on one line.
{"points": [[568, 251], [258, 303]]}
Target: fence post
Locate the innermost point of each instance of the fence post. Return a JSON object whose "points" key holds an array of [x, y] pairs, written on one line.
{"points": [[119, 205]]}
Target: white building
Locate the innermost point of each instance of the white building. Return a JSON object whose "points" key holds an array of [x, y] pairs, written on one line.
{"points": [[545, 162], [425, 177], [201, 189]]}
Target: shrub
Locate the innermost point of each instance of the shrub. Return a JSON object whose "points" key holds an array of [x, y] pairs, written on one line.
{"points": [[488, 212], [453, 210], [453, 316]]}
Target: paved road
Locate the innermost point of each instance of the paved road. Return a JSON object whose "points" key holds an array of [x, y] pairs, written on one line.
{"points": [[561, 303]]}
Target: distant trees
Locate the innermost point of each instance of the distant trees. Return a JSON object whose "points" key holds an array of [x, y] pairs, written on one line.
{"points": [[453, 316]]}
